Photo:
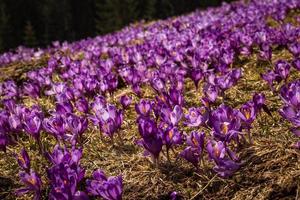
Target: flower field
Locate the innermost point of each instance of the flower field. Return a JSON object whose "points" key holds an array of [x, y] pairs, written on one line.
{"points": [[199, 106]]}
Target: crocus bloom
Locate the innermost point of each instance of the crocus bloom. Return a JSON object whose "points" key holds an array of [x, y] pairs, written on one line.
{"points": [[76, 126], [247, 113], [225, 166], [192, 155], [282, 68], [144, 107], [65, 173], [211, 92], [225, 123], [23, 160], [196, 140], [194, 151], [32, 183], [151, 139], [196, 116], [172, 117], [125, 100], [82, 105], [56, 126], [109, 118], [110, 188], [172, 136], [296, 63]]}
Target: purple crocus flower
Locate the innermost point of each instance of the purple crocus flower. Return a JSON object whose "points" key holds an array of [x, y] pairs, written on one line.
{"points": [[63, 108], [196, 140], [31, 89], [32, 125], [158, 84], [193, 153], [294, 48], [225, 122], [196, 75], [23, 160], [282, 68], [247, 113], [15, 122], [109, 119], [172, 117], [296, 63], [65, 173], [211, 92], [82, 105], [270, 76], [175, 97], [151, 138], [110, 188], [32, 182], [125, 100], [197, 116], [76, 126], [144, 107], [171, 137], [218, 152], [259, 100], [56, 126]]}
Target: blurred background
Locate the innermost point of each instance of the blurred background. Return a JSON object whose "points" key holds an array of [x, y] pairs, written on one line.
{"points": [[39, 22]]}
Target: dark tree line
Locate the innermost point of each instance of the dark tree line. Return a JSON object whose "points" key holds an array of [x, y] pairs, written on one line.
{"points": [[36, 23]]}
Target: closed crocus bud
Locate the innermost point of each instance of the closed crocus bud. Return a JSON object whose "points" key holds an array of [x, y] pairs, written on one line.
{"points": [[265, 52], [259, 100], [211, 92], [158, 84], [175, 196], [282, 68], [32, 125], [270, 76], [125, 101], [175, 97], [82, 105], [23, 160]]}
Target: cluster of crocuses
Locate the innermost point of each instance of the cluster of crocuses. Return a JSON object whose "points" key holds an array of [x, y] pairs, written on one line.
{"points": [[290, 94], [107, 117], [158, 126], [64, 176], [15, 119]]}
